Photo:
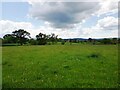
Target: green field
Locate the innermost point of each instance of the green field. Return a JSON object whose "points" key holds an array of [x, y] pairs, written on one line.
{"points": [[60, 66]]}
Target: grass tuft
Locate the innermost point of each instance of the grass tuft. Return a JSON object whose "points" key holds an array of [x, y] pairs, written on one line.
{"points": [[94, 55]]}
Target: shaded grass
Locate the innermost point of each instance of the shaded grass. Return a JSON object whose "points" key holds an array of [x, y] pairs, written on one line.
{"points": [[60, 66]]}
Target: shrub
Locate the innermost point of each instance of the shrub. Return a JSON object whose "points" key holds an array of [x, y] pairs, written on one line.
{"points": [[63, 42]]}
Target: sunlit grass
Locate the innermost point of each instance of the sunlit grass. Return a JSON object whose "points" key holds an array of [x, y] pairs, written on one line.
{"points": [[60, 66]]}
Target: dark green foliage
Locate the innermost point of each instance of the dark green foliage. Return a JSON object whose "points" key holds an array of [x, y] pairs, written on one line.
{"points": [[63, 42], [90, 39], [59, 39], [66, 67], [9, 38], [55, 72], [106, 41], [23, 37], [70, 41], [33, 42], [53, 38], [20, 36], [119, 40], [114, 40], [17, 36], [94, 55], [41, 39]]}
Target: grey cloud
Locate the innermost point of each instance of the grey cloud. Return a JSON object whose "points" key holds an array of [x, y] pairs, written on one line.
{"points": [[63, 14], [112, 27]]}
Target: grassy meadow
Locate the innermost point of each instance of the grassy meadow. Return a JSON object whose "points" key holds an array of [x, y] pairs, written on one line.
{"points": [[60, 66]]}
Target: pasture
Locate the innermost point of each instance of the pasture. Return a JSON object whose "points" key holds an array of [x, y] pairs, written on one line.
{"points": [[60, 66]]}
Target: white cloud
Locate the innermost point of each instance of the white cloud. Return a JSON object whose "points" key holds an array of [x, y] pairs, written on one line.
{"points": [[68, 17], [8, 26], [108, 7], [68, 14], [105, 27], [108, 23], [94, 32], [97, 31], [43, 1], [63, 14]]}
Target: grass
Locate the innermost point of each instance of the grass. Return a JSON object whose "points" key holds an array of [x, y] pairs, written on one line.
{"points": [[60, 66]]}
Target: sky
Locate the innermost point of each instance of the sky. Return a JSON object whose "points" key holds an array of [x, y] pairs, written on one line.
{"points": [[66, 19]]}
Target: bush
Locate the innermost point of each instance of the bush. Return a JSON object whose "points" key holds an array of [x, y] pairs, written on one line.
{"points": [[33, 42], [63, 42]]}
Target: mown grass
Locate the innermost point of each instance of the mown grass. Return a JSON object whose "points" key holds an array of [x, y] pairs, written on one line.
{"points": [[60, 66]]}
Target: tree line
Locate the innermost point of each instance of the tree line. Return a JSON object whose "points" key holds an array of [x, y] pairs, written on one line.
{"points": [[23, 37], [104, 41]]}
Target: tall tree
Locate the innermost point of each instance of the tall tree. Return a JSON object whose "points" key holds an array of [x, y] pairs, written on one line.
{"points": [[9, 38], [53, 38], [42, 38], [21, 35]]}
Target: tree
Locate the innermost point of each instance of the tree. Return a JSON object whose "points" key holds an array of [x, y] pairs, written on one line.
{"points": [[114, 40], [53, 38], [70, 41], [119, 40], [42, 38], [9, 38], [21, 35], [90, 39], [59, 39], [33, 41], [106, 41]]}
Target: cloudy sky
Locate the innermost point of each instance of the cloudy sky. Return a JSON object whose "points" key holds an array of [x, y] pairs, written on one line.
{"points": [[66, 19]]}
